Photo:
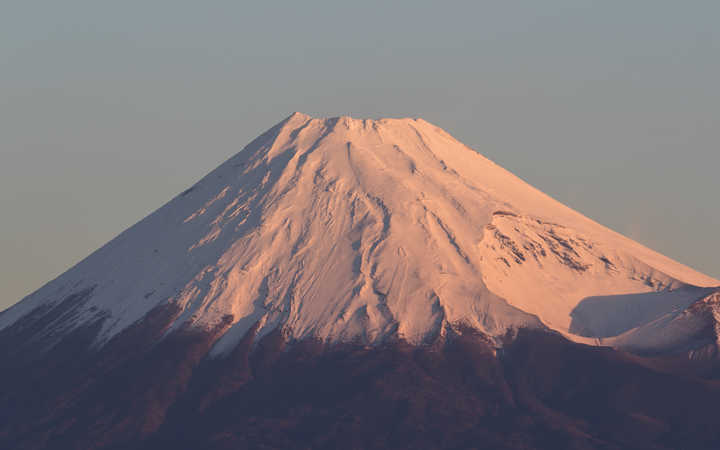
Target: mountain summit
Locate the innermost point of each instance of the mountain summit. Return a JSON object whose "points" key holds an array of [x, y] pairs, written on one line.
{"points": [[345, 283], [360, 231]]}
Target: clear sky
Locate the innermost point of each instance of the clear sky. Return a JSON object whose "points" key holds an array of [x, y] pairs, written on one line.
{"points": [[109, 109]]}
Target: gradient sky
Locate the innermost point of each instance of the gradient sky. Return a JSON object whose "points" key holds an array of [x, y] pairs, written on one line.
{"points": [[109, 109]]}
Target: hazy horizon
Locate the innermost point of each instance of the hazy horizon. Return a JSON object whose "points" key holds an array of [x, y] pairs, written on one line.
{"points": [[108, 111]]}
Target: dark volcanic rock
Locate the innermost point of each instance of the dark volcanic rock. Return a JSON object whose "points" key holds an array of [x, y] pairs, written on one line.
{"points": [[539, 392]]}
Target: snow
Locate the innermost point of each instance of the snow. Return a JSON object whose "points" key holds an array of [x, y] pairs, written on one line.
{"points": [[345, 229], [677, 329]]}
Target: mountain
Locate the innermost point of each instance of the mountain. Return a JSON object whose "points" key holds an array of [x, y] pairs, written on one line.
{"points": [[365, 284]]}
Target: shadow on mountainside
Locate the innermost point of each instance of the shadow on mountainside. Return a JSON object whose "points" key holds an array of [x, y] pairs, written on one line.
{"points": [[611, 315], [539, 391]]}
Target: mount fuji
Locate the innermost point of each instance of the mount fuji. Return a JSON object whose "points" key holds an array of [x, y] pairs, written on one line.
{"points": [[364, 284]]}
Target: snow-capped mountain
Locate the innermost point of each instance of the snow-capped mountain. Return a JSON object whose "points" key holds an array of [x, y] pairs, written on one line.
{"points": [[356, 230], [381, 278]]}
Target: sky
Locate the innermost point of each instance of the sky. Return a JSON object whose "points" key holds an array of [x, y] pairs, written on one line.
{"points": [[109, 109]]}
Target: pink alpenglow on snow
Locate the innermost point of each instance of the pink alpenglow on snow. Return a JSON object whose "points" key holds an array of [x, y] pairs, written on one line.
{"points": [[350, 230]]}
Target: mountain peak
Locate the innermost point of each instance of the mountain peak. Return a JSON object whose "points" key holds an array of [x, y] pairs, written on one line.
{"points": [[358, 230], [344, 119]]}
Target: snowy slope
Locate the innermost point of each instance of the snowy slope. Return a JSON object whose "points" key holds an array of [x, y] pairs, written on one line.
{"points": [[346, 229], [694, 329]]}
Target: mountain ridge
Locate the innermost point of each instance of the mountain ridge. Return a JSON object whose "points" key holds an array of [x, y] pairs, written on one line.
{"points": [[425, 234], [345, 283]]}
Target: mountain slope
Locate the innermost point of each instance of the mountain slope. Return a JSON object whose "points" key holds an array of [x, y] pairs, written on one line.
{"points": [[347, 283], [356, 230]]}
